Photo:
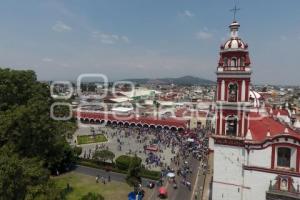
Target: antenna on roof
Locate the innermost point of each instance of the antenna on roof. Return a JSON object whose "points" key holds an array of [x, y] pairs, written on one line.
{"points": [[235, 9]]}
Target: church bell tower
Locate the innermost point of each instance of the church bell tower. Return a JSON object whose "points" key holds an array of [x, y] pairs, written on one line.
{"points": [[233, 80]]}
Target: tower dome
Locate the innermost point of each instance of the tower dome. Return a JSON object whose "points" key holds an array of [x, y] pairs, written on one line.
{"points": [[234, 53], [234, 42]]}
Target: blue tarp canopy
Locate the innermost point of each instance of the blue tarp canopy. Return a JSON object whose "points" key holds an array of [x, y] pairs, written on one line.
{"points": [[133, 196]]}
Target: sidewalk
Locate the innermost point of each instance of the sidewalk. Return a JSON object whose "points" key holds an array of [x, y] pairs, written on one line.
{"points": [[208, 178], [198, 188]]}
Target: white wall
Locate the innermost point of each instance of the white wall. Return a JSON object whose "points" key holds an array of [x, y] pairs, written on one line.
{"points": [[260, 158], [228, 162], [211, 143], [296, 182], [294, 158], [231, 182], [259, 183], [226, 192]]}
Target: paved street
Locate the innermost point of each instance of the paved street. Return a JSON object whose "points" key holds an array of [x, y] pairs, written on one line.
{"points": [[94, 172], [182, 192]]}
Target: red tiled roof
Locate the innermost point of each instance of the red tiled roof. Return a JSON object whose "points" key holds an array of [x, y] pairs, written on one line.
{"points": [[185, 112], [280, 111], [265, 95], [260, 126], [181, 112], [134, 119]]}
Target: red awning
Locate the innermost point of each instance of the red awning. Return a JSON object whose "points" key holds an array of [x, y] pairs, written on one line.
{"points": [[152, 148], [162, 191]]}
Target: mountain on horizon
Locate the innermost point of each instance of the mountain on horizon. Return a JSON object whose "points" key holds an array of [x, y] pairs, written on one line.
{"points": [[184, 80]]}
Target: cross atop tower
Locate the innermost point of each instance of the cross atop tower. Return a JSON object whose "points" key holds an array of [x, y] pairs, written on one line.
{"points": [[235, 9]]}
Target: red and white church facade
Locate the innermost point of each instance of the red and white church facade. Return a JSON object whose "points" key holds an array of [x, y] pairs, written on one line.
{"points": [[255, 155]]}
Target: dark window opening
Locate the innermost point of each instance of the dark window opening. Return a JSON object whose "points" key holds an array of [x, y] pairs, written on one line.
{"points": [[233, 90], [233, 62], [283, 157], [231, 127], [225, 62]]}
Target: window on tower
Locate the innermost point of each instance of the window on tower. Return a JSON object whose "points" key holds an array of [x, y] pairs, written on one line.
{"points": [[225, 62], [231, 125], [233, 62], [232, 90], [283, 157]]}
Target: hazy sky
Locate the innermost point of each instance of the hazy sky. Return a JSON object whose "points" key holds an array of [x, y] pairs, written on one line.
{"points": [[147, 38]]}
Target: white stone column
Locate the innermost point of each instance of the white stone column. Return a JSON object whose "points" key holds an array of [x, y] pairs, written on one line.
{"points": [[243, 124], [223, 90], [243, 91], [221, 122]]}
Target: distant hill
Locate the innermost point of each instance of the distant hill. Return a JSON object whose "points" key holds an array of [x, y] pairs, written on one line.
{"points": [[185, 80]]}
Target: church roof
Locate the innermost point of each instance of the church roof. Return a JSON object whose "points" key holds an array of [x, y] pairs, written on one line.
{"points": [[277, 111], [265, 127]]}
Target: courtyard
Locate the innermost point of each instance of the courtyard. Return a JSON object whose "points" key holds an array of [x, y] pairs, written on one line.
{"points": [[122, 143]]}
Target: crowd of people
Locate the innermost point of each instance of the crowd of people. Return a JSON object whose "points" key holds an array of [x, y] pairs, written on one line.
{"points": [[183, 147], [161, 139], [189, 149]]}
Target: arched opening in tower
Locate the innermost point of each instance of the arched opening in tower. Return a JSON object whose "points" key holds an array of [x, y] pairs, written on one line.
{"points": [[231, 125], [233, 92]]}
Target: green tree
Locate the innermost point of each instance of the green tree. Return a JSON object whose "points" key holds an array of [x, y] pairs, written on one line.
{"points": [[25, 122], [133, 174], [16, 87], [104, 155], [135, 166], [36, 142], [123, 162], [21, 178], [77, 151]]}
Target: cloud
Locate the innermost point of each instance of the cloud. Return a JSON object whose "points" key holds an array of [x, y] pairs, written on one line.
{"points": [[125, 39], [187, 13], [47, 59], [106, 38], [204, 35], [61, 27]]}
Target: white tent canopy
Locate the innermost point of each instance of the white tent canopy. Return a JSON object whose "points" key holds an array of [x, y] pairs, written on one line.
{"points": [[171, 175], [122, 109], [120, 99]]}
